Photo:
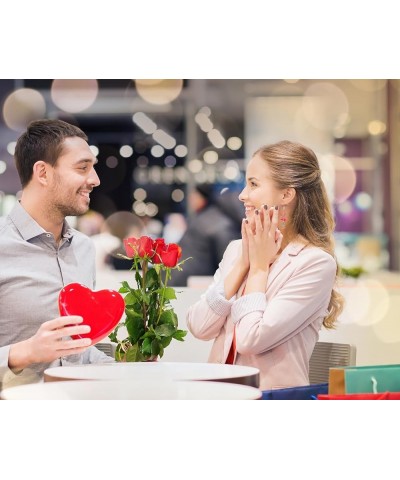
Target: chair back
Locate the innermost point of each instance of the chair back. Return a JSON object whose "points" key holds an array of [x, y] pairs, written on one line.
{"points": [[107, 348], [327, 355]]}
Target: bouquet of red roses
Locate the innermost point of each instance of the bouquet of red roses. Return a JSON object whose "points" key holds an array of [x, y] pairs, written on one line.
{"points": [[150, 321]]}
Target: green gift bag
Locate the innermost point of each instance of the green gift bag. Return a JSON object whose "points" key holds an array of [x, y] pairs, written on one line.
{"points": [[364, 379]]}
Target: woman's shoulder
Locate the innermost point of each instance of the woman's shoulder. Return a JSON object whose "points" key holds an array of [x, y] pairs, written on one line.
{"points": [[313, 255]]}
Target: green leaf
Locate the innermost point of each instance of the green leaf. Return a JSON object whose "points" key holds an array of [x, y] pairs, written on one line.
{"points": [[113, 335], [130, 299], [165, 330], [152, 279], [168, 317], [135, 328], [149, 333], [125, 288], [165, 341], [146, 346], [132, 313], [133, 354], [169, 293], [179, 334], [155, 347]]}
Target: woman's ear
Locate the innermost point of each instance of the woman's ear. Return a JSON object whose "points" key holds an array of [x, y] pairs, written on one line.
{"points": [[288, 195], [40, 172]]}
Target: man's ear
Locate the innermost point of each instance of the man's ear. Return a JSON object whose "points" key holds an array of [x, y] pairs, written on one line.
{"points": [[41, 172], [288, 195]]}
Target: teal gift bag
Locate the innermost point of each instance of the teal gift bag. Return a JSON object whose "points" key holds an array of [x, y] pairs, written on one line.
{"points": [[365, 379]]}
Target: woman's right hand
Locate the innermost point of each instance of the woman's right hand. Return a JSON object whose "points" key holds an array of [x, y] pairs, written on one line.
{"points": [[50, 342], [245, 260], [234, 280]]}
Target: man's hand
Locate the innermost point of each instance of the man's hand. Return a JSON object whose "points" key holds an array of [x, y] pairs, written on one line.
{"points": [[49, 343]]}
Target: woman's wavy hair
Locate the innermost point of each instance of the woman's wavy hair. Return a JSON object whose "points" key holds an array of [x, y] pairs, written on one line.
{"points": [[293, 165]]}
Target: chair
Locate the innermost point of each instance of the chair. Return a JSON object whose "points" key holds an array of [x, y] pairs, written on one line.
{"points": [[326, 355], [107, 348]]}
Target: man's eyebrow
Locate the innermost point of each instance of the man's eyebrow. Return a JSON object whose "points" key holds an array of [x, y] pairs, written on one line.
{"points": [[87, 160]]}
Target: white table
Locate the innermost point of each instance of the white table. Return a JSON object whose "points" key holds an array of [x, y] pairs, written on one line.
{"points": [[150, 389], [140, 371]]}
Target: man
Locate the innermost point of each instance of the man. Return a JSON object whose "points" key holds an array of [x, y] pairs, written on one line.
{"points": [[215, 223], [40, 253]]}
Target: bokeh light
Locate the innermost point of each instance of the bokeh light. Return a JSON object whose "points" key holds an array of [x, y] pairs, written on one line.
{"points": [[366, 302], [363, 201], [126, 151], [23, 106], [74, 95], [159, 92], [388, 330], [325, 106], [345, 179]]}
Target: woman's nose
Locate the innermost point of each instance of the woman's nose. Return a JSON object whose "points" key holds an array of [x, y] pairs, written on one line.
{"points": [[242, 195]]}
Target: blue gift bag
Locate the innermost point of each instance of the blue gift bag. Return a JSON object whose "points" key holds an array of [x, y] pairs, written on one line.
{"points": [[307, 392]]}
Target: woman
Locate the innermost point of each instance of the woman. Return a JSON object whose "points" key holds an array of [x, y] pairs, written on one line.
{"points": [[274, 289]]}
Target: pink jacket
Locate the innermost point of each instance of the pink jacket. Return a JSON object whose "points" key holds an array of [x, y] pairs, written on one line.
{"points": [[275, 332]]}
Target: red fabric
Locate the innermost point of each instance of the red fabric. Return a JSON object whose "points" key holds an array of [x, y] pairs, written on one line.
{"points": [[362, 396], [232, 351]]}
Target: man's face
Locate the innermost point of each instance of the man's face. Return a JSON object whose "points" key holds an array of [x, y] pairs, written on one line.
{"points": [[73, 178]]}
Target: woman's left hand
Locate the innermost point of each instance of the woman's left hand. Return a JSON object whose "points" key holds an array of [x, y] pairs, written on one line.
{"points": [[264, 239]]}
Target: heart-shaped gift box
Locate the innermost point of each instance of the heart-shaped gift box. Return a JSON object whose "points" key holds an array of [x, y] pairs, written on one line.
{"points": [[101, 310]]}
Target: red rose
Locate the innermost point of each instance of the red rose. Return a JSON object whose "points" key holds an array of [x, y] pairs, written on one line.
{"points": [[131, 246], [171, 254], [145, 247], [159, 247]]}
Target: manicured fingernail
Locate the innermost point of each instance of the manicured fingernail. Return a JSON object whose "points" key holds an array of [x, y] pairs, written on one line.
{"points": [[256, 212], [246, 221], [276, 207], [265, 207]]}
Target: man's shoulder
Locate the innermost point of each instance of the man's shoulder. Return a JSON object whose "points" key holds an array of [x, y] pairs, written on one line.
{"points": [[5, 222]]}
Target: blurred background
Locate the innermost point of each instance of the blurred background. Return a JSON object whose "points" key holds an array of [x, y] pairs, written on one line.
{"points": [[156, 139]]}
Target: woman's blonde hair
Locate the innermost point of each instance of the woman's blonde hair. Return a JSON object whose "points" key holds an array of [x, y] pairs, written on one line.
{"points": [[293, 165]]}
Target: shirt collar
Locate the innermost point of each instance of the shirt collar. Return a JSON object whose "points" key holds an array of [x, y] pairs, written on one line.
{"points": [[297, 245], [29, 228]]}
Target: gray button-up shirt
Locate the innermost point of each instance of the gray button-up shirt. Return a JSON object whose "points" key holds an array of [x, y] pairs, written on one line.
{"points": [[33, 270]]}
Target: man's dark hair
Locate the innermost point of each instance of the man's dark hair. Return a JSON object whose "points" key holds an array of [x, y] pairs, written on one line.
{"points": [[42, 140]]}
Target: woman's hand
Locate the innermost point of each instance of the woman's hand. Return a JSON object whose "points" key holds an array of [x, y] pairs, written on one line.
{"points": [[264, 241], [240, 268]]}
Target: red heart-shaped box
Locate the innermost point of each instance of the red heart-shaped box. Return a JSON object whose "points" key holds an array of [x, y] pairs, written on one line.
{"points": [[101, 310]]}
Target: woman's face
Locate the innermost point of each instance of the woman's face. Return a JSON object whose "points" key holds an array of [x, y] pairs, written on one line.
{"points": [[259, 189]]}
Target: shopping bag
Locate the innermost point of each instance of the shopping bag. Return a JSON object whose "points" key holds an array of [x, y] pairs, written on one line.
{"points": [[361, 396], [364, 379], [306, 392]]}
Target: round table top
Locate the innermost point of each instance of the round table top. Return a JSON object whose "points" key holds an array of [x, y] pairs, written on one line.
{"points": [[160, 370], [154, 389]]}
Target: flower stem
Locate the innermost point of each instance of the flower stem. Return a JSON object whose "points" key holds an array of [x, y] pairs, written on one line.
{"points": [[144, 306]]}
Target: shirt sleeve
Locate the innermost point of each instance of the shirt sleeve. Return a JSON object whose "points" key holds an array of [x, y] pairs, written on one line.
{"points": [[207, 316]]}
